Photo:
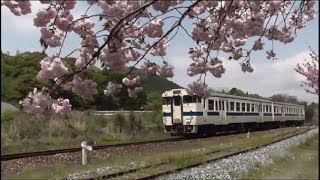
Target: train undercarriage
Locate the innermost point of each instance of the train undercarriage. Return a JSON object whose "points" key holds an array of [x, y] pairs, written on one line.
{"points": [[209, 130]]}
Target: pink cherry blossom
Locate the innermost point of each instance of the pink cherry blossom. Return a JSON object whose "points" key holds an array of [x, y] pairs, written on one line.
{"points": [[85, 88], [112, 88], [119, 34], [51, 68], [155, 28], [258, 45], [310, 70], [166, 70], [148, 67], [134, 93], [62, 106], [160, 49], [131, 81], [246, 67], [199, 88]]}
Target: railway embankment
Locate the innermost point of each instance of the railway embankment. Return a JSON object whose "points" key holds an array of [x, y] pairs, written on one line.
{"points": [[139, 161], [236, 167]]}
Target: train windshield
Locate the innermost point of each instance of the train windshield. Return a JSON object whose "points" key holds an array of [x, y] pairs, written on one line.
{"points": [[166, 100], [177, 100], [191, 99]]}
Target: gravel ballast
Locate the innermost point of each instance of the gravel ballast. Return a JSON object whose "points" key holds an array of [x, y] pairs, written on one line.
{"points": [[238, 165]]}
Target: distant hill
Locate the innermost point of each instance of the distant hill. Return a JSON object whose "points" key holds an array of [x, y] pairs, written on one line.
{"points": [[18, 78], [153, 82]]}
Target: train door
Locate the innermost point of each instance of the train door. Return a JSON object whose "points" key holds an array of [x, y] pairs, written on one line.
{"points": [[222, 110], [177, 110], [261, 110]]}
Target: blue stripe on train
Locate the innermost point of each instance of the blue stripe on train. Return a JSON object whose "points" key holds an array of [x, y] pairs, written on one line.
{"points": [[242, 114], [267, 114], [213, 114], [291, 114], [228, 114], [193, 113]]}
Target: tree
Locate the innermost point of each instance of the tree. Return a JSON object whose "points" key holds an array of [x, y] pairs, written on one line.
{"points": [[237, 92], [310, 70], [284, 98], [139, 32]]}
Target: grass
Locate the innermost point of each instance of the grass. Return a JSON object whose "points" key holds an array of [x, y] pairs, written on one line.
{"points": [[302, 163], [26, 134], [176, 155]]}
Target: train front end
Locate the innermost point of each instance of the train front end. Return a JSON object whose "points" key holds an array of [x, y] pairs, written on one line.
{"points": [[178, 110]]}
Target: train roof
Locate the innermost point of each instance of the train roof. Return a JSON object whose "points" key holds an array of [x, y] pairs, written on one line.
{"points": [[266, 100]]}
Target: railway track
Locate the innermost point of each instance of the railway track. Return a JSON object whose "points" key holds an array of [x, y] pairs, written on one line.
{"points": [[153, 176], [8, 157]]}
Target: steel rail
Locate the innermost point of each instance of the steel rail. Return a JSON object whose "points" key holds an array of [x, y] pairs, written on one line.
{"points": [[134, 170], [8, 157], [153, 176]]}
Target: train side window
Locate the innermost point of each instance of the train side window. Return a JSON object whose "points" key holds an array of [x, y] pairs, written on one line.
{"points": [[237, 106], [252, 107], [211, 104], [187, 99], [243, 107], [166, 100], [222, 105], [198, 99], [227, 103], [267, 108], [231, 106], [216, 107], [248, 107]]}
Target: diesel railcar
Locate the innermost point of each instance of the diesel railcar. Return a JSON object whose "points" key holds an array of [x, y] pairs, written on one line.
{"points": [[184, 114]]}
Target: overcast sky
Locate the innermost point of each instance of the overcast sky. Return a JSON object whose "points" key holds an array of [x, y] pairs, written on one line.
{"points": [[268, 78]]}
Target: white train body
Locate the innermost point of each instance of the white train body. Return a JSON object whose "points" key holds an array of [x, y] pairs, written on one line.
{"points": [[191, 114]]}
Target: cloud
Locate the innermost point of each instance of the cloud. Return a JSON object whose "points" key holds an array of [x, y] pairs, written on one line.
{"points": [[267, 79], [22, 24]]}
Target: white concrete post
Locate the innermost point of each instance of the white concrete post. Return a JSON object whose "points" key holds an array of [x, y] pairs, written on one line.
{"points": [[248, 134], [84, 156], [85, 149]]}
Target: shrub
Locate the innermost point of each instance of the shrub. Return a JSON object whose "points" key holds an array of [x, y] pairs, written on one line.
{"points": [[120, 122], [8, 115]]}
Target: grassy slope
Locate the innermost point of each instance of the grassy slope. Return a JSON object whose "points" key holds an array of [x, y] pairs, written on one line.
{"points": [[302, 164]]}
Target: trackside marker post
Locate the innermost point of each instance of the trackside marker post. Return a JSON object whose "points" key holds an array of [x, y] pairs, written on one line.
{"points": [[85, 148]]}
